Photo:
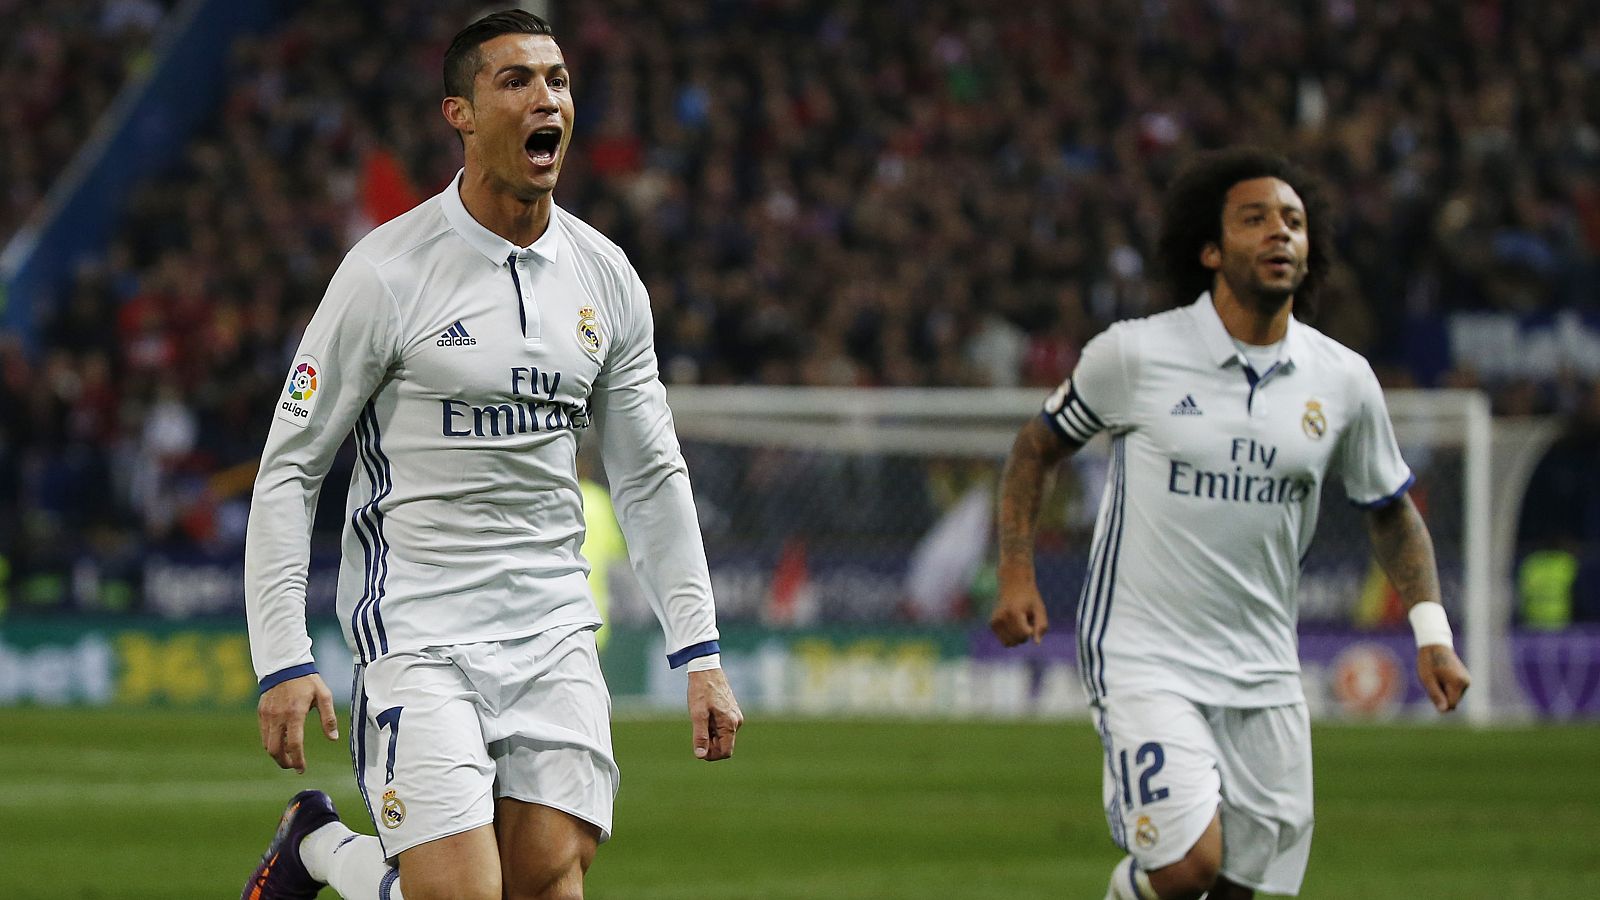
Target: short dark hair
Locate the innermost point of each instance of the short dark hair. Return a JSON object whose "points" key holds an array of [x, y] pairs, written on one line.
{"points": [[1192, 218], [462, 60]]}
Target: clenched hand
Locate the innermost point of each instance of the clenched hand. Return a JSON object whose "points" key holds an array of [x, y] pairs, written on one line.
{"points": [[1019, 615], [1443, 676]]}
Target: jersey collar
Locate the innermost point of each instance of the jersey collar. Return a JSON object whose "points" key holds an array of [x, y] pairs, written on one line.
{"points": [[1219, 344], [492, 245]]}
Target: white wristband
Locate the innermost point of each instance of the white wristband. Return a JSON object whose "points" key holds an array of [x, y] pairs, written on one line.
{"points": [[702, 663], [1429, 624]]}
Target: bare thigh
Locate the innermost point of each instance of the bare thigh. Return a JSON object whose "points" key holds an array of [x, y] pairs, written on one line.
{"points": [[463, 866], [1196, 872], [544, 852]]}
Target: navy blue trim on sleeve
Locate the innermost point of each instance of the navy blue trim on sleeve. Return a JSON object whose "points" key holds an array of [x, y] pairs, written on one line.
{"points": [[1381, 502], [282, 675], [693, 651]]}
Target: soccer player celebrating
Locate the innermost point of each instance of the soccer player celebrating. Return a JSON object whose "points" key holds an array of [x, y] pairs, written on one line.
{"points": [[1225, 416], [470, 344]]}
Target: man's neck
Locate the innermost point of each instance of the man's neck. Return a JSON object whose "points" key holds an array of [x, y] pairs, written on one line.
{"points": [[518, 221], [1246, 320]]}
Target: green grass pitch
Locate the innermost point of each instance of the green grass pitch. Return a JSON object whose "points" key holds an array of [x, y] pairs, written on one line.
{"points": [[178, 805]]}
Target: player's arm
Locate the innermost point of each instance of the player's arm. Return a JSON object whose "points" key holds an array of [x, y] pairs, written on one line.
{"points": [[1377, 480], [1404, 549], [1019, 612], [342, 357], [1097, 396], [655, 507]]}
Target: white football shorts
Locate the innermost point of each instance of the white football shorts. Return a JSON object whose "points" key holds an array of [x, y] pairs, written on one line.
{"points": [[1170, 763], [438, 734]]}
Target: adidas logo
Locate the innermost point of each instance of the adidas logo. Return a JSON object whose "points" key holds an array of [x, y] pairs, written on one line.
{"points": [[1187, 407], [456, 336]]}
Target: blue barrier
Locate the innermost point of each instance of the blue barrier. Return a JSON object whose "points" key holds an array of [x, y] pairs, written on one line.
{"points": [[140, 136]]}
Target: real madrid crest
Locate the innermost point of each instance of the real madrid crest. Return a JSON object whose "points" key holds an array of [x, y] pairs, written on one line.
{"points": [[1314, 423], [394, 812], [588, 330], [1145, 833]]}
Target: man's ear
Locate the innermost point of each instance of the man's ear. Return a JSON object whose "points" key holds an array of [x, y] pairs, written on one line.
{"points": [[458, 112], [1211, 256]]}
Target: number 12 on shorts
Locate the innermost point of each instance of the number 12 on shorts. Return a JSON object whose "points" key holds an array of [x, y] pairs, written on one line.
{"points": [[390, 719], [1148, 793]]}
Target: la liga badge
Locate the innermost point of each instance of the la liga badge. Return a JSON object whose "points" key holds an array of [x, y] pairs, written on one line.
{"points": [[299, 398]]}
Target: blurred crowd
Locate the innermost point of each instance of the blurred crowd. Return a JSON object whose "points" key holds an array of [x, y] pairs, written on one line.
{"points": [[61, 63], [895, 193]]}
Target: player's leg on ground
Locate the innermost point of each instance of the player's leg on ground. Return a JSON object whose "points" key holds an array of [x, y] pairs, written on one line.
{"points": [[463, 866], [1190, 877], [544, 852]]}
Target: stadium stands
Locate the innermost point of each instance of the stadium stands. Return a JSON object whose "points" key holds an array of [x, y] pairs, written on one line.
{"points": [[61, 63], [854, 193]]}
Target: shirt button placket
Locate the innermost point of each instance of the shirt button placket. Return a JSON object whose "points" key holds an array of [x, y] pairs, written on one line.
{"points": [[525, 263]]}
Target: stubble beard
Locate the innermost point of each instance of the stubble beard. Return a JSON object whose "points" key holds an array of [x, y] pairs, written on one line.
{"points": [[1266, 299], [524, 189]]}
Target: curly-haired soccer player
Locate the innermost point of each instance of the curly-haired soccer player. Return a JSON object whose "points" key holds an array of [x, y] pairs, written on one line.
{"points": [[1225, 417]]}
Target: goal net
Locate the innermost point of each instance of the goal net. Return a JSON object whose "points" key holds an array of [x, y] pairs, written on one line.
{"points": [[850, 536]]}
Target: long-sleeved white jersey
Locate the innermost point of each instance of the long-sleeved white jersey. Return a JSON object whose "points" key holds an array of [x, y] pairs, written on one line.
{"points": [[469, 370]]}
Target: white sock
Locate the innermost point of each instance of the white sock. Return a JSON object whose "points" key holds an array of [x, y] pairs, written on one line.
{"points": [[350, 863], [1129, 882]]}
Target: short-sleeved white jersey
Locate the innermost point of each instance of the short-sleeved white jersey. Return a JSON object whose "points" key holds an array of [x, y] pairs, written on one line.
{"points": [[1211, 499], [469, 369]]}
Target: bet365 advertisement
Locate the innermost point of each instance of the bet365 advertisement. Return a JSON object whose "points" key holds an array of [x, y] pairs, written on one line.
{"points": [[944, 672]]}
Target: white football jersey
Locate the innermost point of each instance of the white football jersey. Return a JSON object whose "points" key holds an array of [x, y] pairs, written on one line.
{"points": [[469, 370], [1211, 499]]}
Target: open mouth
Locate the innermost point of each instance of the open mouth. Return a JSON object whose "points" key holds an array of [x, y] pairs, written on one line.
{"points": [[543, 144]]}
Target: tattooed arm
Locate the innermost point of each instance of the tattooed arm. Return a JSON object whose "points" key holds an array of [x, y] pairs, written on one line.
{"points": [[1019, 614], [1403, 547]]}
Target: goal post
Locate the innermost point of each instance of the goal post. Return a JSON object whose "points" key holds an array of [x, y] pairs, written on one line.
{"points": [[832, 511]]}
